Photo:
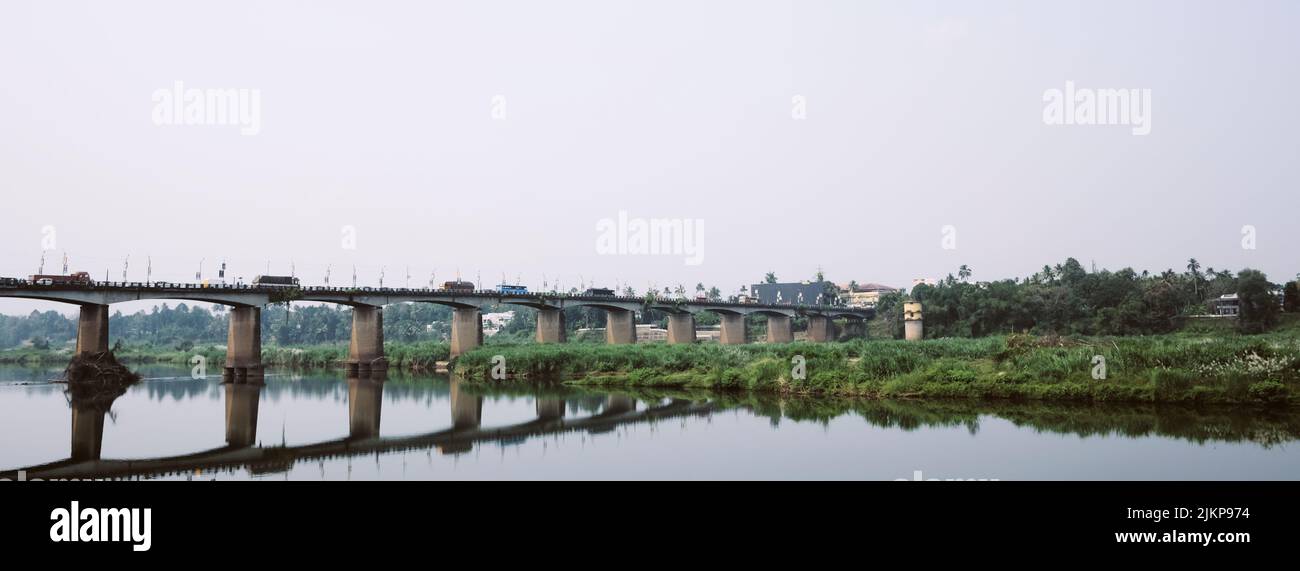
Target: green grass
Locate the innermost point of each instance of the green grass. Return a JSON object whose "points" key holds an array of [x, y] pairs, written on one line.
{"points": [[1188, 368]]}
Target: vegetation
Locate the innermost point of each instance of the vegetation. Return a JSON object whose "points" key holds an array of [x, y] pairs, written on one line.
{"points": [[1224, 368], [1069, 300]]}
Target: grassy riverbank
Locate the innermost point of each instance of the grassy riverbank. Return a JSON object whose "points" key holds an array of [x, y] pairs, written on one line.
{"points": [[1186, 367]]}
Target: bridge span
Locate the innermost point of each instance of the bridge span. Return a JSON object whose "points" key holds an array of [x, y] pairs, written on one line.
{"points": [[366, 351]]}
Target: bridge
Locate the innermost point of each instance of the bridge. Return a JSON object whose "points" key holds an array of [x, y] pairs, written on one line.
{"points": [[366, 351], [365, 400]]}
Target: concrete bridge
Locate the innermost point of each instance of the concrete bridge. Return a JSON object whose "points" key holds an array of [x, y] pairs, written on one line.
{"points": [[365, 399], [366, 352]]}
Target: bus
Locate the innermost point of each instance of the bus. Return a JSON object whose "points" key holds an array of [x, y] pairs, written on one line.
{"points": [[459, 286], [78, 278], [512, 289], [275, 281]]}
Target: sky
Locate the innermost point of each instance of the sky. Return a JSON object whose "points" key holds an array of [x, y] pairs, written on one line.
{"points": [[876, 141]]}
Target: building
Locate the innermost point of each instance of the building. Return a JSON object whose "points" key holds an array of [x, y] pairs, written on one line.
{"points": [[493, 322], [648, 332], [805, 293], [863, 295], [924, 281]]}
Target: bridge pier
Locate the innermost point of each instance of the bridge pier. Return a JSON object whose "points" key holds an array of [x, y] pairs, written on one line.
{"points": [[550, 409], [779, 329], [820, 328], [619, 404], [365, 400], [466, 408], [620, 326], [366, 353], [87, 431], [241, 413], [244, 345], [912, 330], [92, 329], [855, 327], [550, 326], [733, 329], [681, 328], [466, 330]]}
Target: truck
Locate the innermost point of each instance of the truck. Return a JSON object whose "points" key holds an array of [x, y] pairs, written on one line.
{"points": [[459, 286], [275, 281], [77, 278]]}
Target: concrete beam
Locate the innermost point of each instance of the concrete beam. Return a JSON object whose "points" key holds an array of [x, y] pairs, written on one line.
{"points": [[92, 329], [550, 326], [366, 352], [244, 345], [780, 329], [733, 329], [820, 328], [241, 413], [681, 328], [912, 320], [466, 330], [620, 327]]}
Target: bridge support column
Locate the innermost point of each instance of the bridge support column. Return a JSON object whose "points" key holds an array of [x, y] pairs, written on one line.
{"points": [[241, 413], [855, 328], [779, 329], [87, 431], [620, 327], [681, 328], [365, 399], [92, 329], [466, 408], [550, 409], [733, 329], [466, 330], [366, 353], [619, 404], [912, 321], [550, 326], [820, 328], [244, 345]]}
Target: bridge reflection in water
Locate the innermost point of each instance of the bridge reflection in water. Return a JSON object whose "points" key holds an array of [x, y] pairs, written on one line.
{"points": [[365, 404]]}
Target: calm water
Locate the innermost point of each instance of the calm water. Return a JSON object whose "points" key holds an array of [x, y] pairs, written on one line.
{"points": [[321, 425]]}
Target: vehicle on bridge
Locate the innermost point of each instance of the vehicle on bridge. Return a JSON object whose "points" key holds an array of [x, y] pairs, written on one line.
{"points": [[275, 281], [460, 286], [10, 281], [599, 291], [512, 289], [77, 278]]}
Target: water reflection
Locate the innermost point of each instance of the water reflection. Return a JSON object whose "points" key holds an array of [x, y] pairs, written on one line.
{"points": [[561, 410]]}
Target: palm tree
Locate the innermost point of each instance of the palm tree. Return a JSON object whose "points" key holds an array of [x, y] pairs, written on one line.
{"points": [[963, 273]]}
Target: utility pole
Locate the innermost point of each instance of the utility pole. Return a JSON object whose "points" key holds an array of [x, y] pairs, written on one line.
{"points": [[198, 277], [125, 264], [40, 270], [327, 276], [65, 263]]}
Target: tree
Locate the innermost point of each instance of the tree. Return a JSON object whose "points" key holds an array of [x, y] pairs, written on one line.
{"points": [[963, 273], [770, 278], [1194, 271], [1291, 297], [1258, 305]]}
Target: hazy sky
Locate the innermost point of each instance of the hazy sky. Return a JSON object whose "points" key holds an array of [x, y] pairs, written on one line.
{"points": [[380, 116]]}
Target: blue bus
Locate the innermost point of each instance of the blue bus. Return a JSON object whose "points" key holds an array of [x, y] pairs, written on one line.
{"points": [[512, 289]]}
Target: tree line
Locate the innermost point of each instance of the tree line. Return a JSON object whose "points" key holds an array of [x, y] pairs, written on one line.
{"points": [[1068, 299]]}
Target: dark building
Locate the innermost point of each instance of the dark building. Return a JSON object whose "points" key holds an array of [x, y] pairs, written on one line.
{"points": [[791, 292]]}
